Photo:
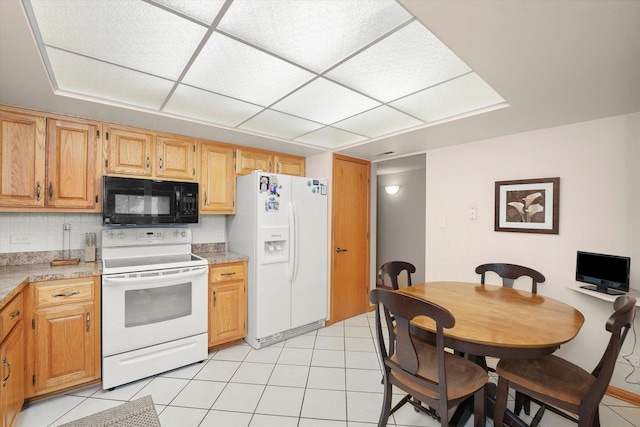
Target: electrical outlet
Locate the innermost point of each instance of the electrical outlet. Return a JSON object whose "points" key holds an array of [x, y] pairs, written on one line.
{"points": [[473, 213], [20, 238]]}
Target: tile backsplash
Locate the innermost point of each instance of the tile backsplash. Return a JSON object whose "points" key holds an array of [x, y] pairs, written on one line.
{"points": [[36, 232]]}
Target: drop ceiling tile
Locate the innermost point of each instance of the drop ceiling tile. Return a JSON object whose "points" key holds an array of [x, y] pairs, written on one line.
{"points": [[410, 60], [280, 125], [377, 122], [232, 68], [204, 11], [329, 137], [199, 104], [131, 33], [325, 102], [81, 75], [315, 34], [455, 97]]}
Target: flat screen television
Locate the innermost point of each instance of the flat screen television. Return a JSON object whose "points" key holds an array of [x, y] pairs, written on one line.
{"points": [[605, 273]]}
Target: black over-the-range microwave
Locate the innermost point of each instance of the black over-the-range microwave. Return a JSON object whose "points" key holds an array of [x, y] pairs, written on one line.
{"points": [[136, 201]]}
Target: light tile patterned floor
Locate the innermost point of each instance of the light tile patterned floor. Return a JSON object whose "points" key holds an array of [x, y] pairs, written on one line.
{"points": [[327, 378]]}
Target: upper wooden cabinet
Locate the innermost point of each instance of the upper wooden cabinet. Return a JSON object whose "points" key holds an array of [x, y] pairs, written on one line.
{"points": [[72, 180], [176, 158], [128, 151], [289, 165], [48, 163], [217, 191], [22, 151], [147, 154], [249, 159]]}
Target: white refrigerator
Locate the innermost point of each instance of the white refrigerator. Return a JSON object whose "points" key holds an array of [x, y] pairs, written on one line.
{"points": [[281, 224]]}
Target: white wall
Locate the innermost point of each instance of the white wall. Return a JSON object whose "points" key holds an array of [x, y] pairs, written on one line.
{"points": [[598, 165]]}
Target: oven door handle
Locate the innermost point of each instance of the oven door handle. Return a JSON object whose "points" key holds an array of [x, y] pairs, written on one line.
{"points": [[196, 271]]}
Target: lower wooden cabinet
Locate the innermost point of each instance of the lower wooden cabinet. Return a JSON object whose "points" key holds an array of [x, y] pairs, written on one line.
{"points": [[227, 303], [11, 361], [63, 337]]}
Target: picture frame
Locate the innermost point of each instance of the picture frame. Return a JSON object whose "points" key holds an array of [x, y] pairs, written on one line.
{"points": [[528, 205]]}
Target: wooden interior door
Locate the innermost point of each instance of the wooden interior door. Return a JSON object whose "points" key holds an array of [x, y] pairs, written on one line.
{"points": [[350, 237]]}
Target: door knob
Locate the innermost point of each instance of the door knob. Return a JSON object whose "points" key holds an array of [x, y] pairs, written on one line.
{"points": [[338, 250]]}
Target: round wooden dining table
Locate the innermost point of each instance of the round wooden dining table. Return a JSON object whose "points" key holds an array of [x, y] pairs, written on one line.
{"points": [[498, 321]]}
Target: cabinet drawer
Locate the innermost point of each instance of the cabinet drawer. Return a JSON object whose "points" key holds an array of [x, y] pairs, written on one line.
{"points": [[226, 272], [10, 315], [63, 292]]}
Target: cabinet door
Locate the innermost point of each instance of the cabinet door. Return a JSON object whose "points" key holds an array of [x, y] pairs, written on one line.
{"points": [[12, 387], [128, 151], [65, 347], [175, 158], [248, 160], [217, 179], [289, 165], [63, 338], [22, 151], [71, 165], [228, 312]]}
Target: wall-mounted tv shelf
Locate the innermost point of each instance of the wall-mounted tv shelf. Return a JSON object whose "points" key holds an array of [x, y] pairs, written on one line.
{"points": [[606, 297]]}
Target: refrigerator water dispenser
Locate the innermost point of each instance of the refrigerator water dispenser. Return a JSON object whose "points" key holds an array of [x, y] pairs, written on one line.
{"points": [[275, 244]]}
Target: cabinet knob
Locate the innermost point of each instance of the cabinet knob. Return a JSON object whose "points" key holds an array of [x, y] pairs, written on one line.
{"points": [[51, 191], [38, 191], [14, 315]]}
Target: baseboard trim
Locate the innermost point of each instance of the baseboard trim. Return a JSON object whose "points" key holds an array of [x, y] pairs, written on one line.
{"points": [[625, 395]]}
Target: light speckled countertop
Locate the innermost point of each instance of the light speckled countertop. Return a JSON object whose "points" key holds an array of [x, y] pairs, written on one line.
{"points": [[14, 278]]}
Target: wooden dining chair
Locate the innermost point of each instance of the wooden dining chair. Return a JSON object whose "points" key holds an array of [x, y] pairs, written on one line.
{"points": [[393, 269], [554, 383], [510, 272], [426, 372]]}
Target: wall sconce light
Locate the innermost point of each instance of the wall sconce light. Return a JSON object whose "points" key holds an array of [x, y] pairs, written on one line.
{"points": [[392, 189]]}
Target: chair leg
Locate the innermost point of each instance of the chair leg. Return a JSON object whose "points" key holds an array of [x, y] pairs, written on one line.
{"points": [[501, 402], [479, 408], [386, 405], [522, 401]]}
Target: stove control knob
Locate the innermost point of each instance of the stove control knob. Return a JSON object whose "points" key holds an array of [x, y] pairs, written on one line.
{"points": [[183, 233], [176, 233], [111, 235], [121, 235]]}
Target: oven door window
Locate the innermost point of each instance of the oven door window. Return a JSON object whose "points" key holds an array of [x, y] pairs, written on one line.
{"points": [[156, 305]]}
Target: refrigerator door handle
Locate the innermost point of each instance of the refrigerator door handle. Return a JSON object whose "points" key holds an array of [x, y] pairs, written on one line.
{"points": [[293, 241]]}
